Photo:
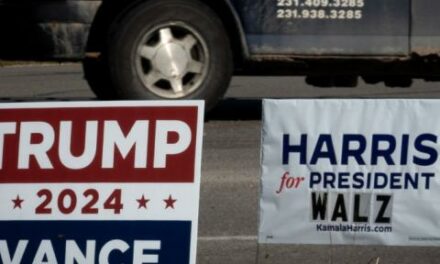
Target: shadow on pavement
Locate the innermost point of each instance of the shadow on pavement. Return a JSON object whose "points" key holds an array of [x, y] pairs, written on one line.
{"points": [[43, 99], [234, 109]]}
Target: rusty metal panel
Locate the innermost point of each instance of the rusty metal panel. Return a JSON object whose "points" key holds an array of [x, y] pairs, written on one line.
{"points": [[75, 11], [425, 28], [45, 29], [326, 27], [63, 40]]}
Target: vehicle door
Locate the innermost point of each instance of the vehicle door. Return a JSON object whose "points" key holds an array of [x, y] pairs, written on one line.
{"points": [[326, 27], [425, 30]]}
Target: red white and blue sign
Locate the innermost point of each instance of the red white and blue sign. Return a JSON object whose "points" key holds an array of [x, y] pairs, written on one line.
{"points": [[100, 182]]}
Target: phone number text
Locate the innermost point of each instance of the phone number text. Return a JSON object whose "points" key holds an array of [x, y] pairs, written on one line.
{"points": [[322, 3], [336, 14]]}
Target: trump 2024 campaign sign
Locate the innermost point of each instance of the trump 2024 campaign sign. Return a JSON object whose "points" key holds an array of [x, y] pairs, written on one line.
{"points": [[351, 172], [100, 182]]}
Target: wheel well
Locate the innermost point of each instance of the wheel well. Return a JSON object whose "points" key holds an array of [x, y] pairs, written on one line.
{"points": [[233, 26], [111, 10]]}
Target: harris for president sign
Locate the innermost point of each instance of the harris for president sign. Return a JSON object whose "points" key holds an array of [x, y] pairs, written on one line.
{"points": [[350, 172]]}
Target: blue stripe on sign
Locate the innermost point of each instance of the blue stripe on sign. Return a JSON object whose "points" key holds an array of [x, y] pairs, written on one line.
{"points": [[174, 237]]}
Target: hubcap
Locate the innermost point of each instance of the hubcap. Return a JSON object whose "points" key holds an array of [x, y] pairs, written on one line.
{"points": [[172, 60]]}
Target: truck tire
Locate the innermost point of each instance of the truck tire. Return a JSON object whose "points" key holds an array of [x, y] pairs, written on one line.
{"points": [[170, 49], [97, 76]]}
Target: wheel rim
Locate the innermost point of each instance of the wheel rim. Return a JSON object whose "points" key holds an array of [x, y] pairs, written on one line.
{"points": [[172, 60]]}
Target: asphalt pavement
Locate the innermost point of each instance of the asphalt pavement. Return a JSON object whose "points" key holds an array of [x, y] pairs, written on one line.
{"points": [[230, 167]]}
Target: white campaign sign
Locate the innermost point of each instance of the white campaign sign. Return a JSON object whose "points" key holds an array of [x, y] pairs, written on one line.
{"points": [[351, 172]]}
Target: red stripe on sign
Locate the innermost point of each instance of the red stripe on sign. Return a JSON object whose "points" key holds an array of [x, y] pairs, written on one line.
{"points": [[98, 144]]}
